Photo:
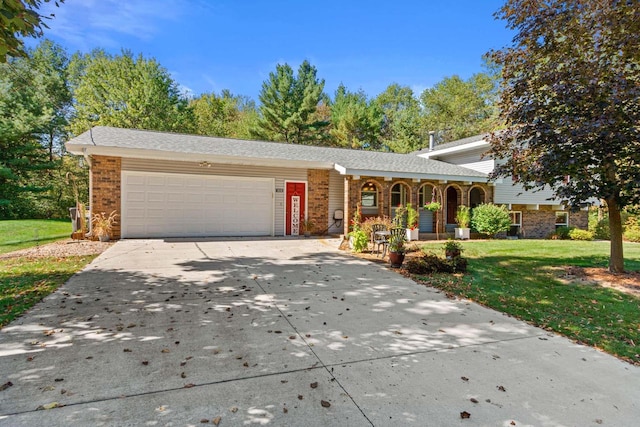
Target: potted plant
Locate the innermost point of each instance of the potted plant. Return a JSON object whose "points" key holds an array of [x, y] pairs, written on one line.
{"points": [[452, 249], [396, 250], [413, 233], [102, 225], [308, 226], [435, 208], [463, 219]]}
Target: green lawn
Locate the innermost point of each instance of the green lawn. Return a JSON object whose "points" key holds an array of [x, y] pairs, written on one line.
{"points": [[25, 281], [21, 234], [520, 278]]}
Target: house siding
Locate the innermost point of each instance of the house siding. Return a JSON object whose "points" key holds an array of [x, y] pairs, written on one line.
{"points": [[336, 200]]}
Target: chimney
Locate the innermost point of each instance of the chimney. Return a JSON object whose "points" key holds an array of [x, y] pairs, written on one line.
{"points": [[431, 140]]}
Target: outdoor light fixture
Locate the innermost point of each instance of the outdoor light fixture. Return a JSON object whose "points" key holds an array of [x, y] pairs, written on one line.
{"points": [[369, 187]]}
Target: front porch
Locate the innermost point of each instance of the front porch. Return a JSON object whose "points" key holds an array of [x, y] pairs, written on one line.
{"points": [[381, 196]]}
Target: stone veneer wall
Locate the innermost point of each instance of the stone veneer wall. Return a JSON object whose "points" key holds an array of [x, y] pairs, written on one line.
{"points": [[318, 199], [106, 188]]}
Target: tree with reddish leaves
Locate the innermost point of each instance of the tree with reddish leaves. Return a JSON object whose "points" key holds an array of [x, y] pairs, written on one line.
{"points": [[570, 102]]}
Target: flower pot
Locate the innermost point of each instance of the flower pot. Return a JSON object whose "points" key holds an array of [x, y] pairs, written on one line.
{"points": [[396, 259], [462, 233], [413, 234]]}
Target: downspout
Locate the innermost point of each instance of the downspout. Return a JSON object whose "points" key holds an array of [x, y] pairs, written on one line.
{"points": [[87, 159]]}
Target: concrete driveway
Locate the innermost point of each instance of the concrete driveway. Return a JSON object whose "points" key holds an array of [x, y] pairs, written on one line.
{"points": [[289, 332]]}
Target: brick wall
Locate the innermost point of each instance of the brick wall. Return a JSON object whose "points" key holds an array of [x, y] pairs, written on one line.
{"points": [[353, 186], [579, 219], [318, 203], [106, 188], [538, 224]]}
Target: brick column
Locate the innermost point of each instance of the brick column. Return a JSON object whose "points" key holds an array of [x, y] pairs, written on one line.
{"points": [[106, 188], [318, 202]]}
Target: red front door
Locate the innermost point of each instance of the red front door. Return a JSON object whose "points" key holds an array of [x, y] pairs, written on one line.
{"points": [[295, 196]]}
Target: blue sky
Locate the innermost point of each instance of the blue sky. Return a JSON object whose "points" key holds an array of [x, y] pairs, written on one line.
{"points": [[210, 45]]}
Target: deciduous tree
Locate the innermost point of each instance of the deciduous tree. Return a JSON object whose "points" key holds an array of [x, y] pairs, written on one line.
{"points": [[456, 108], [20, 18], [123, 91], [224, 115], [571, 103]]}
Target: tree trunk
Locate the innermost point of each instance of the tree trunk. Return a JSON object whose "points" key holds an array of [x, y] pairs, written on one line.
{"points": [[616, 257]]}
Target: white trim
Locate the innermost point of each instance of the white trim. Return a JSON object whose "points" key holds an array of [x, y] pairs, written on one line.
{"points": [[456, 149], [286, 201], [520, 214]]}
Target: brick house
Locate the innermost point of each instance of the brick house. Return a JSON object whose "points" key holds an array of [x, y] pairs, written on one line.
{"points": [[534, 214], [175, 185]]}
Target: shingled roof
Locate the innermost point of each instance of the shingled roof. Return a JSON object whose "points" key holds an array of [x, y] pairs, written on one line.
{"points": [[111, 141]]}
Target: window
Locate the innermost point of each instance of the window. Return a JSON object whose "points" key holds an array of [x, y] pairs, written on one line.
{"points": [[516, 218], [562, 219], [369, 195], [425, 196], [398, 195]]}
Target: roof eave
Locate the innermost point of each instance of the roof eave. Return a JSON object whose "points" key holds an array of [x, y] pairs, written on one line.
{"points": [[137, 153], [410, 175], [458, 149]]}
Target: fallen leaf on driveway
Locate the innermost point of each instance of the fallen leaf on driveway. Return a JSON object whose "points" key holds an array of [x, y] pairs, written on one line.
{"points": [[285, 410], [474, 400], [314, 385], [216, 421], [6, 385], [325, 404], [464, 378], [292, 337], [501, 388], [48, 406], [204, 421], [145, 362], [189, 385], [234, 409], [300, 397], [165, 350], [465, 414]]}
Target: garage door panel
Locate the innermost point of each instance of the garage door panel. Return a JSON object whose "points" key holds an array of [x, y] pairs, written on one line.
{"points": [[174, 205]]}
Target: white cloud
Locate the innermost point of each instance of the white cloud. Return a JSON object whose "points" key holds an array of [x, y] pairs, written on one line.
{"points": [[84, 24]]}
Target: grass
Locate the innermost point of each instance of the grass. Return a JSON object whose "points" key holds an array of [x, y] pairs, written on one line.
{"points": [[25, 281], [21, 234], [520, 278]]}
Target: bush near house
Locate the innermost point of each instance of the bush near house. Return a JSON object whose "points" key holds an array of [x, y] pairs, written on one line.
{"points": [[490, 219]]}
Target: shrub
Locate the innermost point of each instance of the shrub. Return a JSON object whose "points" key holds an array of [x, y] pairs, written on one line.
{"points": [[490, 219], [430, 263], [563, 233], [632, 234], [601, 230], [632, 230], [578, 234], [359, 240]]}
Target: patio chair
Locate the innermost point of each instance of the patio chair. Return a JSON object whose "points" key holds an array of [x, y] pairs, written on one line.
{"points": [[378, 239]]}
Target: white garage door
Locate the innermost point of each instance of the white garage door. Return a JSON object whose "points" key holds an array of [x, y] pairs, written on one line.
{"points": [[177, 205]]}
